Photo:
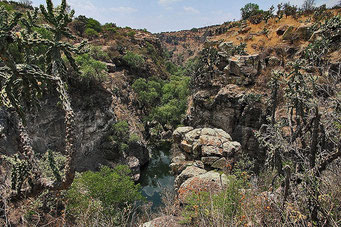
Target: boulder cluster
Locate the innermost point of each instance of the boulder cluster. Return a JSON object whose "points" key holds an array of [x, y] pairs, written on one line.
{"points": [[202, 155]]}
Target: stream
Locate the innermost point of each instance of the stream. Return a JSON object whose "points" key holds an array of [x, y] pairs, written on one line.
{"points": [[156, 176]]}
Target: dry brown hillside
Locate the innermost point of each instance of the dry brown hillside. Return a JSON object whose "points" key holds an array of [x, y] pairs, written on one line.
{"points": [[184, 45]]}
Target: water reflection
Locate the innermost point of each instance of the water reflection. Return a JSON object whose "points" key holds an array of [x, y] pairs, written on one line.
{"points": [[156, 176]]}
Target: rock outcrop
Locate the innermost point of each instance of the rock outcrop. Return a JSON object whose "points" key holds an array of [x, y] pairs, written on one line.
{"points": [[94, 119], [232, 109], [242, 70], [201, 153]]}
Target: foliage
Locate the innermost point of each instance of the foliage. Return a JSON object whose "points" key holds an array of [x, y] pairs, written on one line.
{"points": [[134, 60], [121, 138], [304, 142], [131, 34], [52, 164], [23, 81], [86, 26], [108, 191], [148, 92], [215, 209], [110, 28], [289, 10], [93, 24], [91, 33], [91, 69], [173, 101], [167, 100], [249, 10], [6, 6], [240, 49], [97, 53]]}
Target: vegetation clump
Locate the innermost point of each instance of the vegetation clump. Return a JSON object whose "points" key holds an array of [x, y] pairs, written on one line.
{"points": [[106, 196]]}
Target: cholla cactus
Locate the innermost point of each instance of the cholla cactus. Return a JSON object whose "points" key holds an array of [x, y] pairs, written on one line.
{"points": [[21, 84]]}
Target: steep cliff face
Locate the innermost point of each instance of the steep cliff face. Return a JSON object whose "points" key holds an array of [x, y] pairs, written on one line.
{"points": [[98, 105], [229, 86]]}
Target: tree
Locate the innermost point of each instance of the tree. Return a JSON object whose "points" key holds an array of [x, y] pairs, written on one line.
{"points": [[308, 5], [26, 2], [22, 82], [249, 10]]}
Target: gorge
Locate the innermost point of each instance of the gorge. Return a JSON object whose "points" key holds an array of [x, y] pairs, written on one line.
{"points": [[235, 124]]}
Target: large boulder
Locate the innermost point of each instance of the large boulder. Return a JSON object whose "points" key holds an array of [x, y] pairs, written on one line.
{"points": [[211, 181], [179, 132], [190, 171]]}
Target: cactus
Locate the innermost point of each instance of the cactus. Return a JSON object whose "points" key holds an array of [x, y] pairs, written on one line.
{"points": [[20, 84]]}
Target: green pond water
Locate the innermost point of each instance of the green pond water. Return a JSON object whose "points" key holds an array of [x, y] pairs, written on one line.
{"points": [[156, 176]]}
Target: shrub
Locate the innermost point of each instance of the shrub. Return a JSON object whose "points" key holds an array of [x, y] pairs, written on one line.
{"points": [[91, 33], [91, 69], [97, 53], [215, 210], [134, 60], [308, 5], [256, 18], [173, 101], [6, 6], [110, 28], [94, 24], [131, 34], [289, 10], [121, 131], [79, 24], [109, 191]]}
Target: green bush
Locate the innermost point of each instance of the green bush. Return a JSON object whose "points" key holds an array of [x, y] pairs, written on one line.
{"points": [[170, 108], [131, 34], [97, 53], [94, 24], [109, 191], [91, 33], [121, 136], [6, 6], [134, 60], [91, 69], [121, 131]]}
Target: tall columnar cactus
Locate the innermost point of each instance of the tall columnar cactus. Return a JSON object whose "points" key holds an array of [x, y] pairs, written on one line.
{"points": [[21, 84]]}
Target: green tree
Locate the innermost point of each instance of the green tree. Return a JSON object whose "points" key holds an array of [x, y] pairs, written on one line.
{"points": [[148, 92], [249, 10], [173, 101]]}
